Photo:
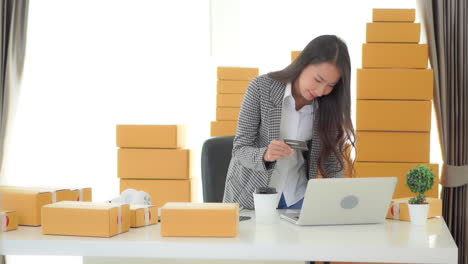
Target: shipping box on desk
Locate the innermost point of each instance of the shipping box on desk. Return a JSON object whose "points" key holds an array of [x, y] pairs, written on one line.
{"points": [[8, 220], [143, 215], [58, 194], [200, 220], [153, 163], [85, 219], [82, 194], [162, 191], [150, 136], [399, 209], [26, 203]]}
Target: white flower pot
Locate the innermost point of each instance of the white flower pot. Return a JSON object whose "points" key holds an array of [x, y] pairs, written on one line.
{"points": [[418, 213]]}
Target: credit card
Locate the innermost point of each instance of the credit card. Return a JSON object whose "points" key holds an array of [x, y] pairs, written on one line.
{"points": [[296, 144]]}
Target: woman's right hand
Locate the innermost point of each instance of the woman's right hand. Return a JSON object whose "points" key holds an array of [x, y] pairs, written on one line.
{"points": [[277, 150]]}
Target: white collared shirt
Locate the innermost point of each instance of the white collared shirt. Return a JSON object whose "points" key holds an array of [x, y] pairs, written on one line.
{"points": [[289, 176]]}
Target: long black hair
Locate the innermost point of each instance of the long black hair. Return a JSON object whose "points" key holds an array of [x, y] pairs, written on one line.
{"points": [[336, 129]]}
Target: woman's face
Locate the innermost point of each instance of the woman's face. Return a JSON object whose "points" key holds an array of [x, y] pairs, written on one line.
{"points": [[317, 80]]}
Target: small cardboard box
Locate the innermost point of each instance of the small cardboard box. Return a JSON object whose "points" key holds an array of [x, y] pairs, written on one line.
{"points": [[294, 55], [153, 163], [229, 100], [401, 84], [143, 215], [392, 55], [26, 203], [151, 136], [392, 115], [236, 73], [58, 194], [399, 209], [223, 128], [8, 220], [393, 32], [399, 170], [200, 220], [82, 194], [162, 191], [393, 15], [85, 219], [227, 113], [393, 146], [232, 87]]}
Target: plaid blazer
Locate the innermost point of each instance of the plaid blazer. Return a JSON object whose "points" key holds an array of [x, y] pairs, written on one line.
{"points": [[259, 124]]}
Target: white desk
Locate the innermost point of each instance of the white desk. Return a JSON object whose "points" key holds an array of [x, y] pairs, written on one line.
{"points": [[393, 241]]}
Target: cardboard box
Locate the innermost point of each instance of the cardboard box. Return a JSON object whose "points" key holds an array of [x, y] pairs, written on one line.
{"points": [[161, 191], [393, 32], [26, 203], [58, 194], [404, 84], [399, 209], [232, 86], [85, 219], [393, 146], [227, 113], [393, 15], [153, 163], [387, 115], [82, 194], [295, 54], [382, 55], [151, 136], [223, 128], [400, 170], [229, 100], [143, 215], [8, 220], [200, 220], [236, 73]]}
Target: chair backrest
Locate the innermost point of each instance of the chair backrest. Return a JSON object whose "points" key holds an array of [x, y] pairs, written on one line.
{"points": [[215, 158]]}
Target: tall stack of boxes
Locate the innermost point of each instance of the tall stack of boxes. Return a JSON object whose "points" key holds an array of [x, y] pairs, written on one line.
{"points": [[394, 93], [153, 158], [232, 85]]}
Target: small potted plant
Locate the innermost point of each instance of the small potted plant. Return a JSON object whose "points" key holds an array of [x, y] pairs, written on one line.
{"points": [[419, 180]]}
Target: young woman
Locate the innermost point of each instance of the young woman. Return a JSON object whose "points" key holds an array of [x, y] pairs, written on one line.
{"points": [[309, 100]]}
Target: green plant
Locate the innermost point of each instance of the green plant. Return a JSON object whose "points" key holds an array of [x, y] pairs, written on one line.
{"points": [[420, 180]]}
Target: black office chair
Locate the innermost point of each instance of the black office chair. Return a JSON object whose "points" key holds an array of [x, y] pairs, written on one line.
{"points": [[215, 158]]}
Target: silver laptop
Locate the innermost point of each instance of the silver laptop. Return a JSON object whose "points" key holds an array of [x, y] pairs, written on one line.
{"points": [[338, 201]]}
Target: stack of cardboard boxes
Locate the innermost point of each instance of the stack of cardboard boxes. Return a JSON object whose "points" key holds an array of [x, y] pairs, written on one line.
{"points": [[152, 158], [394, 92], [232, 85]]}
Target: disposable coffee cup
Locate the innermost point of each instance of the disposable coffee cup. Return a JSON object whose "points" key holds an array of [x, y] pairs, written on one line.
{"points": [[265, 203]]}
